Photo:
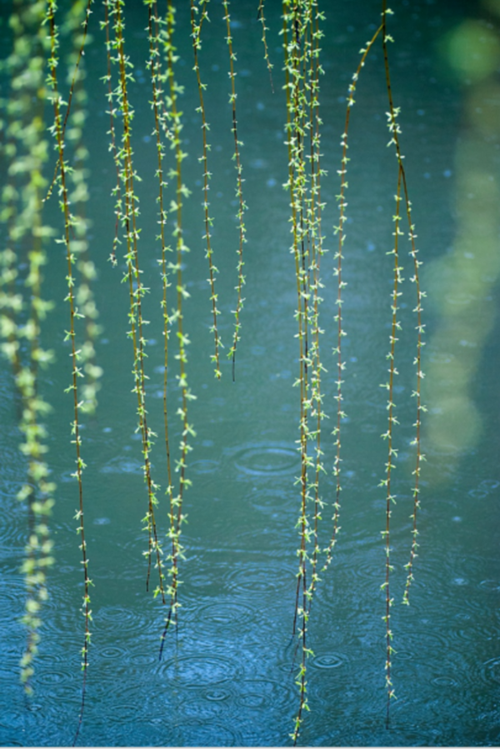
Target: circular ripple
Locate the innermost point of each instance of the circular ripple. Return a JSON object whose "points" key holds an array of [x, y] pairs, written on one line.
{"points": [[142, 659], [264, 693], [216, 695], [266, 579], [253, 700], [359, 576], [123, 465], [412, 645], [328, 660], [122, 713], [493, 585], [61, 651], [205, 466], [111, 652], [468, 624], [13, 719], [62, 622], [9, 489], [460, 298], [267, 459], [123, 619], [491, 671], [69, 691], [200, 709], [13, 601], [53, 677], [489, 484], [205, 734], [198, 671], [219, 615], [478, 493], [127, 695], [204, 581], [201, 580], [13, 464], [445, 681], [273, 503], [13, 527]]}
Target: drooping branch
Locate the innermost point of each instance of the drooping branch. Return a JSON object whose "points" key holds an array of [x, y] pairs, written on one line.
{"points": [[239, 189]]}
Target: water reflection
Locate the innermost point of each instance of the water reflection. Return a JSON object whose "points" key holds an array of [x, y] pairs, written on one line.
{"points": [[473, 50], [461, 283], [226, 676]]}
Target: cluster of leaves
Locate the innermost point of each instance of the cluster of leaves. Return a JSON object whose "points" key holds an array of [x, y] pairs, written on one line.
{"points": [[301, 39], [301, 34], [22, 309]]}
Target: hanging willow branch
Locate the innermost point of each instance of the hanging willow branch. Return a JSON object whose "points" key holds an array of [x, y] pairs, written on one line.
{"points": [[392, 452], [196, 25], [78, 196], [69, 223], [239, 189], [177, 315], [315, 239], [301, 40], [395, 131], [340, 231], [155, 25], [291, 21], [20, 317], [112, 133], [23, 311], [420, 408], [73, 82], [132, 276], [261, 17]]}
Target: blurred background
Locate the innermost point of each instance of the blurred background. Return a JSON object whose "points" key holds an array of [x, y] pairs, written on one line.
{"points": [[227, 674]]}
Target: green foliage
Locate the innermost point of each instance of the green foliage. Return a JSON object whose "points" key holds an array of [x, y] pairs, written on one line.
{"points": [[198, 16], [301, 42], [22, 308], [239, 188], [36, 53], [79, 297], [127, 211]]}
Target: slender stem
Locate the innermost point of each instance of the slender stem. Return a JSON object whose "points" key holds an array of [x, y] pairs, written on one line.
{"points": [[112, 133], [392, 452], [71, 90], [176, 509], [300, 42], [196, 34], [316, 242], [239, 189], [420, 457], [22, 308], [261, 17], [71, 335], [136, 292], [341, 284]]}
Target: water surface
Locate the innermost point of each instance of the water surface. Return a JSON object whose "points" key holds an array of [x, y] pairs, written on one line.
{"points": [[227, 674]]}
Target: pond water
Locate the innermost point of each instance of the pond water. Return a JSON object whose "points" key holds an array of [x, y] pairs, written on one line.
{"points": [[227, 675]]}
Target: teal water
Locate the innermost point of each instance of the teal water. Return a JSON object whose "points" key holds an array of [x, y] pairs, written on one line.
{"points": [[227, 675]]}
